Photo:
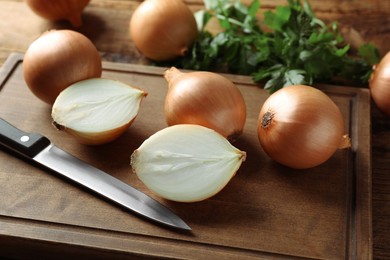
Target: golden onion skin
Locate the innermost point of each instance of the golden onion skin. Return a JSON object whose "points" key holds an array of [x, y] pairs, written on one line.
{"points": [[97, 138], [55, 10], [163, 30], [206, 99], [300, 127], [57, 59], [380, 85]]}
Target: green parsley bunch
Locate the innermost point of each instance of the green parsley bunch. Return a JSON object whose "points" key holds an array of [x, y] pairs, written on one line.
{"points": [[297, 48]]}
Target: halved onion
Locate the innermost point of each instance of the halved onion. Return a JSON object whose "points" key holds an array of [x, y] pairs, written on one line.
{"points": [[98, 110], [186, 163]]}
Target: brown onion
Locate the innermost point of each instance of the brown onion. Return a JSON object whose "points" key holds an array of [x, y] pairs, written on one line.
{"points": [[301, 127], [207, 99], [163, 30], [380, 84], [59, 9], [58, 59]]}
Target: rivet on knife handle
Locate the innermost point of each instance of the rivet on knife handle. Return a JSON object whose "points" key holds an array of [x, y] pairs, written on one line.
{"points": [[24, 143]]}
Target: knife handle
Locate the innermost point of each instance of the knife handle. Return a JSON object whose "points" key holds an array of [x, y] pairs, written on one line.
{"points": [[26, 144]]}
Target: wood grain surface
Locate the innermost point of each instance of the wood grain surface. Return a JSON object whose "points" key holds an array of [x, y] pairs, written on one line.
{"points": [[105, 23], [266, 210]]}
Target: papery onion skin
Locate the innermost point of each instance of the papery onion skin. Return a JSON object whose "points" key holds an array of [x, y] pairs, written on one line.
{"points": [[301, 127], [95, 139], [163, 30], [207, 99], [57, 59], [380, 84], [186, 163], [55, 10]]}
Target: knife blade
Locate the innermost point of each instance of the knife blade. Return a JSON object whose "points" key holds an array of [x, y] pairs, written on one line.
{"points": [[38, 148]]}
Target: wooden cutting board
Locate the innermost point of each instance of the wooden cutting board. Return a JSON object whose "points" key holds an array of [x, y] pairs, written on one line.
{"points": [[266, 211]]}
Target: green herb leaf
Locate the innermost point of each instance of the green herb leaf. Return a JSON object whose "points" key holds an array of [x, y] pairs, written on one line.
{"points": [[294, 77], [300, 49], [369, 53], [201, 18], [277, 20]]}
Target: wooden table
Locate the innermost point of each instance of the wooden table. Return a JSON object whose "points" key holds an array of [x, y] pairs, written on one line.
{"points": [[106, 24]]}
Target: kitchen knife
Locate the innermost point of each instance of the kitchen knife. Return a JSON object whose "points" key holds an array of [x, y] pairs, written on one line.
{"points": [[39, 149]]}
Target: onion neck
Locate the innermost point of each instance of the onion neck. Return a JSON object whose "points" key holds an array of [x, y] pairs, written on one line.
{"points": [[345, 142], [171, 74], [234, 136], [184, 51], [58, 126]]}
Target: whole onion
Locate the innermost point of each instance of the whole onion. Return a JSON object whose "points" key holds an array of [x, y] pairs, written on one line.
{"points": [[301, 127], [380, 84], [57, 59], [207, 99], [163, 30], [59, 9]]}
